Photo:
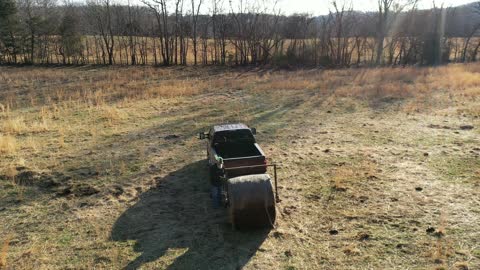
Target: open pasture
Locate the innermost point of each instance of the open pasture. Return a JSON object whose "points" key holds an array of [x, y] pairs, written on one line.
{"points": [[101, 167]]}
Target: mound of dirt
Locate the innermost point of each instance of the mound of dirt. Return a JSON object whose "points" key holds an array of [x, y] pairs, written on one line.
{"points": [[116, 190], [77, 190], [27, 177]]}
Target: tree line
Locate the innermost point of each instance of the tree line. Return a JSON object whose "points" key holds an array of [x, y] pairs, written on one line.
{"points": [[242, 32]]}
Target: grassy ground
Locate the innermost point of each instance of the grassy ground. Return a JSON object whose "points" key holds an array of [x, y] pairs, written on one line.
{"points": [[101, 168]]}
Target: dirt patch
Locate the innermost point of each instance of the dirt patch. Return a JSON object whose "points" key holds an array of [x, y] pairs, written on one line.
{"points": [[171, 137], [78, 190], [85, 172], [467, 127], [438, 127], [82, 190], [26, 177], [116, 190]]}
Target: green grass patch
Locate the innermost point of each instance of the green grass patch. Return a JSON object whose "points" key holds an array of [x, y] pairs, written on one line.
{"points": [[457, 169]]}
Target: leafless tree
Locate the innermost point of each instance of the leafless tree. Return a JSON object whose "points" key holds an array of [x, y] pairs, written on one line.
{"points": [[473, 31], [386, 14], [101, 18], [196, 5], [159, 8]]}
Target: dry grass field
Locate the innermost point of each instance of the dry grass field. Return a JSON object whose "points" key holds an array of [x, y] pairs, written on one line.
{"points": [[100, 168]]}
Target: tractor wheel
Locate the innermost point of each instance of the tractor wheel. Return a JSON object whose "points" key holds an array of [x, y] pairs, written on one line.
{"points": [[251, 202]]}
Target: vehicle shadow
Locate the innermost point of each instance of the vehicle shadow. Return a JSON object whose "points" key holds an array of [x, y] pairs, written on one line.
{"points": [[177, 216]]}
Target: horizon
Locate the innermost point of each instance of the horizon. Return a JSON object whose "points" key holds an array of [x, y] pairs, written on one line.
{"points": [[312, 7], [322, 7]]}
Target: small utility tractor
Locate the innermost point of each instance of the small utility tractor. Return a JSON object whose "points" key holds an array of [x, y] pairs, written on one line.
{"points": [[238, 174]]}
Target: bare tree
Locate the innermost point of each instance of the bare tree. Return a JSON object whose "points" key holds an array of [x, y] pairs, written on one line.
{"points": [[100, 13], [70, 44], [386, 10], [474, 30], [194, 18], [342, 23], [159, 8]]}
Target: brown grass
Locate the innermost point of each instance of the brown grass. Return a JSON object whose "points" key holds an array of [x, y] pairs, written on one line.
{"points": [[4, 253], [14, 126], [461, 266], [61, 138], [342, 177], [8, 144], [112, 129], [10, 171], [116, 84], [112, 114]]}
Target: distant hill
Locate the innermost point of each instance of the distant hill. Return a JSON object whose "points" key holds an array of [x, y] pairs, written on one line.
{"points": [[460, 20], [464, 19]]}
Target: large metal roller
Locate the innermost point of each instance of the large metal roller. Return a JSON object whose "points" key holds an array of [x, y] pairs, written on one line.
{"points": [[251, 201]]}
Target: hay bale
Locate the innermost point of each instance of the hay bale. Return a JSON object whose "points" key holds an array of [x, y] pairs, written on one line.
{"points": [[252, 203]]}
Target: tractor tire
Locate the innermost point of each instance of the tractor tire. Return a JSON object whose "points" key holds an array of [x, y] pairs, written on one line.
{"points": [[251, 202]]}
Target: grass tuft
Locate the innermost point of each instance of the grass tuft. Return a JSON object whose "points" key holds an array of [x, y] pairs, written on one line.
{"points": [[112, 114], [14, 125], [4, 253], [8, 144]]}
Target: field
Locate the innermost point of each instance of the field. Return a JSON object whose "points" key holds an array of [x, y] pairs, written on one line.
{"points": [[101, 167]]}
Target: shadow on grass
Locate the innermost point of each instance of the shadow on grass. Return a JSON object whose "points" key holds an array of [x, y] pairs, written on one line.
{"points": [[175, 221]]}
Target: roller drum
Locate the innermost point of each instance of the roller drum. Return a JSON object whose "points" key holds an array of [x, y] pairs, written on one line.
{"points": [[251, 201]]}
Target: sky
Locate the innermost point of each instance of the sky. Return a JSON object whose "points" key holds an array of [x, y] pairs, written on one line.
{"points": [[321, 7], [313, 7]]}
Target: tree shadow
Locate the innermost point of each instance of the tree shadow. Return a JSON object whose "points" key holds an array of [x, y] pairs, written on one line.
{"points": [[177, 216]]}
